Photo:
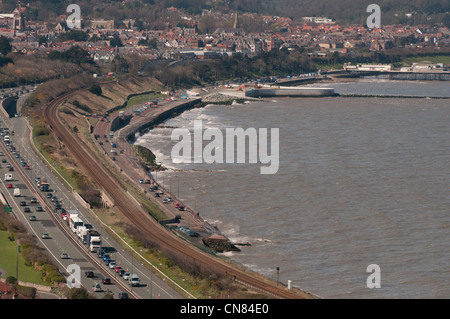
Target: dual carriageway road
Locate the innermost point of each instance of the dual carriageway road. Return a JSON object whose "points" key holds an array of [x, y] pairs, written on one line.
{"points": [[61, 238]]}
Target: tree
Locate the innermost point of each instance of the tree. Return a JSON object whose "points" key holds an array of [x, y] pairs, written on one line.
{"points": [[5, 45], [96, 89]]}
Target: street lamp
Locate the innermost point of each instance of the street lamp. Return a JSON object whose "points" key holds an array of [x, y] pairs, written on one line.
{"points": [[278, 274]]}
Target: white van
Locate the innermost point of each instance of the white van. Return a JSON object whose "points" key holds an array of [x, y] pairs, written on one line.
{"points": [[134, 280]]}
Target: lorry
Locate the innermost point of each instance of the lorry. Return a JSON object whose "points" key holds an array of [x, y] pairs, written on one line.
{"points": [[93, 240], [74, 223], [82, 233], [74, 220], [134, 280], [8, 177], [16, 192]]}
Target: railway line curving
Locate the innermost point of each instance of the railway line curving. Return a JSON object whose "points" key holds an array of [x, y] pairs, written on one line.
{"points": [[140, 219]]}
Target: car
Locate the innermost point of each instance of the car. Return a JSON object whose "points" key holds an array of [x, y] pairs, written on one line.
{"points": [[23, 203], [45, 236], [33, 200], [39, 209], [181, 208], [64, 255], [193, 233], [107, 261], [96, 287], [26, 167], [156, 194], [89, 274], [126, 275], [112, 264], [169, 199], [9, 186], [49, 195], [165, 201], [123, 295], [26, 210], [106, 281], [121, 272], [117, 268], [177, 205], [32, 218], [106, 256]]}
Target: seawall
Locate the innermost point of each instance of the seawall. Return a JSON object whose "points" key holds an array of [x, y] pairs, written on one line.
{"points": [[148, 122], [291, 92]]}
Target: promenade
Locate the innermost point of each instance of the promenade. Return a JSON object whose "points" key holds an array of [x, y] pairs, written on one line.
{"points": [[125, 160]]}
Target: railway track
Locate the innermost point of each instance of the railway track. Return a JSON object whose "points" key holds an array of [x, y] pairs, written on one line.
{"points": [[140, 219]]}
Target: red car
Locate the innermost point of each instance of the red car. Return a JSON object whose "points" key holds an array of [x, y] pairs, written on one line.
{"points": [[64, 215], [117, 268], [9, 186], [27, 167]]}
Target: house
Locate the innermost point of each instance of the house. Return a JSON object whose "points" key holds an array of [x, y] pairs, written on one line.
{"points": [[103, 56]]}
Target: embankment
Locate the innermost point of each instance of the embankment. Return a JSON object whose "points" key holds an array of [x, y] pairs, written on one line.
{"points": [[159, 117]]}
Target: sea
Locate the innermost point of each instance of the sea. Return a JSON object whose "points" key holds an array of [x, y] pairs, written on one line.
{"points": [[360, 205]]}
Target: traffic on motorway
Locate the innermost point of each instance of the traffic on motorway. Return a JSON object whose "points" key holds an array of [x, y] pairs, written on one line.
{"points": [[42, 206]]}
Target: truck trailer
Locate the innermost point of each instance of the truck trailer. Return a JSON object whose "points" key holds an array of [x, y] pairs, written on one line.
{"points": [[93, 240]]}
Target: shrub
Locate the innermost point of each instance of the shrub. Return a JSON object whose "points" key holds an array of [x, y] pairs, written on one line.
{"points": [[96, 89]]}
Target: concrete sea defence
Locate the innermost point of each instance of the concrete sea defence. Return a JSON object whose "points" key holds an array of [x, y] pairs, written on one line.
{"points": [[291, 92]]}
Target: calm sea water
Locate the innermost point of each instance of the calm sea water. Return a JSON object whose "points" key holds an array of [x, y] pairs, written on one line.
{"points": [[361, 181]]}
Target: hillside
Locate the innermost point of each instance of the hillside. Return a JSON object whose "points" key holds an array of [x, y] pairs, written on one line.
{"points": [[153, 12]]}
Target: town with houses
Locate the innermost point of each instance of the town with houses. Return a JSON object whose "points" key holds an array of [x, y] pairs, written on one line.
{"points": [[319, 36]]}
